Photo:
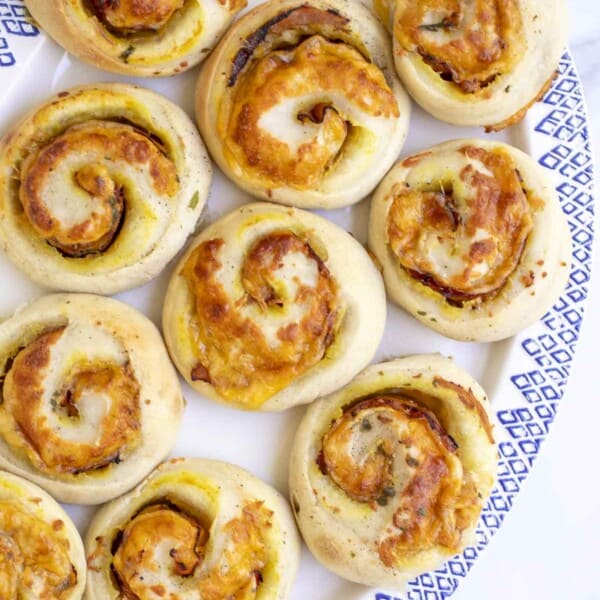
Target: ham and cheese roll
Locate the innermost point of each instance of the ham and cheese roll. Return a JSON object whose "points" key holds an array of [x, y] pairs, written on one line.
{"points": [[388, 475], [299, 103], [89, 400], [194, 529], [100, 187], [144, 38], [41, 554], [272, 307], [471, 238], [476, 62]]}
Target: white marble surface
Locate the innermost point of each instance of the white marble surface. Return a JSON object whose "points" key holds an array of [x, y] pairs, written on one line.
{"points": [[549, 546]]}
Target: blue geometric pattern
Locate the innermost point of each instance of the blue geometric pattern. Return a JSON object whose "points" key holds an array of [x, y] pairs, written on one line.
{"points": [[550, 353], [14, 21]]}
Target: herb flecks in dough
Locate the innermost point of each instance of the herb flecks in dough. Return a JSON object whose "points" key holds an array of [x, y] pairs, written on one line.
{"points": [[470, 44], [405, 463], [464, 245]]}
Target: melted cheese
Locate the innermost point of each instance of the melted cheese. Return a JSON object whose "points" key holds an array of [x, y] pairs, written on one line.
{"points": [[71, 401], [296, 111], [34, 556], [261, 324], [136, 14], [460, 220], [161, 554], [468, 43], [393, 453], [75, 188]]}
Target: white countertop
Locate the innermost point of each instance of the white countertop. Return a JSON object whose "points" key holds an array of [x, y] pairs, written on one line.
{"points": [[548, 547]]}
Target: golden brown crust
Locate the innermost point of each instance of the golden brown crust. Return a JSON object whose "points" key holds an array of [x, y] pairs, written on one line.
{"points": [[465, 231], [23, 398], [486, 231], [322, 67], [388, 475], [270, 306], [99, 187], [194, 528], [41, 554], [299, 104], [147, 38], [469, 45], [89, 400], [222, 332], [477, 63]]}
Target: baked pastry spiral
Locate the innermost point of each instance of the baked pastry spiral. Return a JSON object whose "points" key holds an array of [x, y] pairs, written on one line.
{"points": [[144, 38], [471, 238], [89, 400], [41, 553], [194, 528], [100, 187], [476, 62], [388, 475], [272, 307], [299, 104]]}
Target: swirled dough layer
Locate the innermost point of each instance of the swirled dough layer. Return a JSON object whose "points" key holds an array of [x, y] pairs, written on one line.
{"points": [[90, 402], [299, 104], [272, 307], [143, 38], [194, 530], [471, 238], [100, 187], [41, 553], [388, 475]]}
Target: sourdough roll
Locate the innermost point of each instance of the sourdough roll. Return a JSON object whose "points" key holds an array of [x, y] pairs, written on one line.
{"points": [[142, 38], [198, 529], [41, 553], [272, 307], [388, 475], [89, 400], [299, 103], [477, 62], [100, 187], [471, 238]]}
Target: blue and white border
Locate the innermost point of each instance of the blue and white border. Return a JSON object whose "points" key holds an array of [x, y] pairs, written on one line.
{"points": [[548, 352]]}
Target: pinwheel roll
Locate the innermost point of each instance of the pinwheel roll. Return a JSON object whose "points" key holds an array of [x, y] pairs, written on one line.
{"points": [[144, 38], [388, 475], [272, 307], [90, 403], [41, 554], [198, 529], [299, 103], [477, 62], [100, 187], [471, 238]]}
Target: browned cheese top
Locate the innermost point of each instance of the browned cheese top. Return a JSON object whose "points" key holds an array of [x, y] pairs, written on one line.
{"points": [[467, 42], [135, 15], [275, 327], [392, 452], [293, 107], [162, 550], [462, 234], [34, 555], [73, 189], [89, 419]]}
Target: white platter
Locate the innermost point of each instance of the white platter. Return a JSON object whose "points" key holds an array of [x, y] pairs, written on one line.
{"points": [[524, 376]]}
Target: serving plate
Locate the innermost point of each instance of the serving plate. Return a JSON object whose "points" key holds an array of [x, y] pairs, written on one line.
{"points": [[525, 376]]}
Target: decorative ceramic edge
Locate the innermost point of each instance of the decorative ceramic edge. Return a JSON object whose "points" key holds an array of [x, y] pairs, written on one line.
{"points": [[541, 362], [545, 352]]}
